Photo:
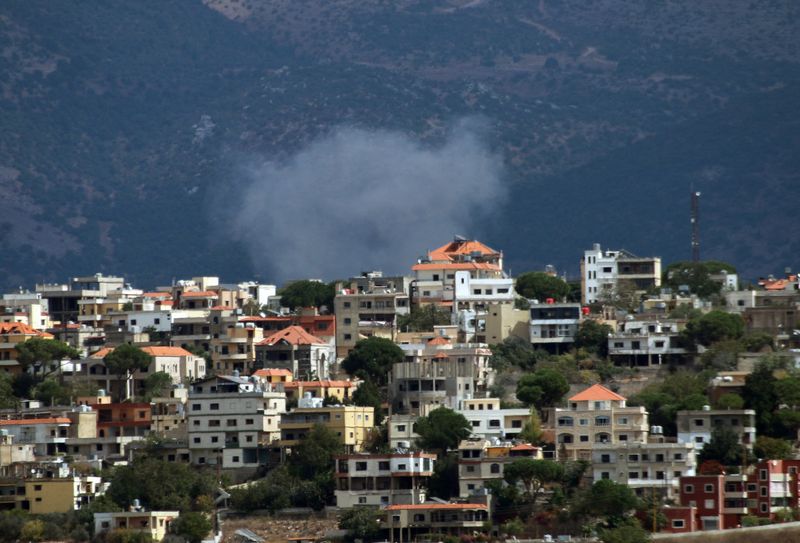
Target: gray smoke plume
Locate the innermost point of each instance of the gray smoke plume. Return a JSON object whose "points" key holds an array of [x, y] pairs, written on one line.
{"points": [[357, 200]]}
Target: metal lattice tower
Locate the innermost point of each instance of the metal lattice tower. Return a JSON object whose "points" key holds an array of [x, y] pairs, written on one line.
{"points": [[695, 226]]}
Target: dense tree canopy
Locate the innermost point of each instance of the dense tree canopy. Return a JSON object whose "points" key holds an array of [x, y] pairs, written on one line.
{"points": [[369, 395], [676, 392], [372, 359], [532, 475], [696, 276], [542, 388], [38, 353], [593, 336], [714, 326], [724, 447], [307, 293], [361, 523], [193, 526], [124, 361], [423, 319], [441, 430], [541, 286], [160, 485]]}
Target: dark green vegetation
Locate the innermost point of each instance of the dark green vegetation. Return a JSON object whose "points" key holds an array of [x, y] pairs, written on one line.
{"points": [[117, 114], [372, 359]]}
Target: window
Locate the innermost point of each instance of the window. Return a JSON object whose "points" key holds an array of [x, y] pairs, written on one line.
{"points": [[195, 407], [605, 475], [214, 439], [212, 423], [214, 407], [401, 427], [383, 465], [699, 422], [708, 489], [623, 437], [764, 507], [231, 422], [348, 337], [494, 423], [348, 320], [362, 499], [584, 438], [235, 459], [751, 487], [633, 458], [249, 421], [361, 466], [470, 469], [196, 440], [677, 523], [688, 489], [605, 458], [763, 490], [494, 468], [37, 487], [708, 504], [762, 474], [678, 456], [633, 475]]}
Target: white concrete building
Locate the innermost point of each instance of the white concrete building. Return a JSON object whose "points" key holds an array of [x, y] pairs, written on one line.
{"points": [[554, 325], [696, 427], [382, 479], [652, 467], [603, 271], [489, 421], [647, 342], [481, 461], [230, 418]]}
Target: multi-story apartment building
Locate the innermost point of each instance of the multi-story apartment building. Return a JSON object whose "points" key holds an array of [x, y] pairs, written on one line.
{"points": [[603, 272], [489, 421], [720, 501], [595, 415], [181, 365], [438, 374], [230, 418], [42, 490], [504, 321], [382, 479], [554, 326], [351, 423], [235, 348], [309, 319], [62, 299], [647, 342], [410, 522], [306, 356], [481, 461], [366, 312], [696, 427], [435, 275], [335, 390], [655, 467]]}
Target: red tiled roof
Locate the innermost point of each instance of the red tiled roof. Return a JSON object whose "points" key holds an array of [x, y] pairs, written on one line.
{"points": [[459, 248], [596, 393], [152, 351], [318, 384], [20, 328], [165, 295], [439, 340], [440, 356], [437, 506], [456, 266], [20, 422], [269, 372], [294, 335], [524, 447]]}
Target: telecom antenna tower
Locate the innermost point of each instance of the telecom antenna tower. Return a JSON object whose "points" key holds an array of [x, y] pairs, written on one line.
{"points": [[695, 226]]}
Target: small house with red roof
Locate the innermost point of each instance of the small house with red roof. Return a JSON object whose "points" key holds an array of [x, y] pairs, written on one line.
{"points": [[305, 355]]}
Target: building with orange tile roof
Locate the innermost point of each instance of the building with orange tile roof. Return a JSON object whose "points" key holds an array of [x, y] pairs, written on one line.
{"points": [[594, 415], [274, 376], [11, 335], [181, 365], [465, 276], [306, 356]]}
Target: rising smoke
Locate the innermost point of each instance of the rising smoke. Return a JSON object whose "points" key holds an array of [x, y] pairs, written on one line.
{"points": [[359, 199]]}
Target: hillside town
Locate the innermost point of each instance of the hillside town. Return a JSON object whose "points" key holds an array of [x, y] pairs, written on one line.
{"points": [[451, 403]]}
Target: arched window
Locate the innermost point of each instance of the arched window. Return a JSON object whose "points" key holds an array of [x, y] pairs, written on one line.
{"points": [[565, 421], [494, 468], [565, 438]]}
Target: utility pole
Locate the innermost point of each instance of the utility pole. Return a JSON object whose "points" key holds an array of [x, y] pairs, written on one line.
{"points": [[695, 220]]}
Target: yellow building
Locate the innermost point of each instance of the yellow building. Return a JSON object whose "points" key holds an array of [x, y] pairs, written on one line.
{"points": [[337, 390], [350, 422], [43, 495], [274, 376]]}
